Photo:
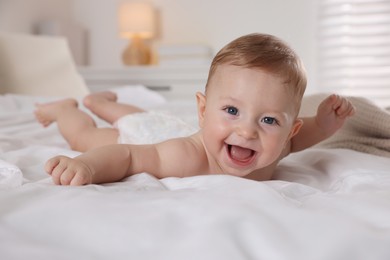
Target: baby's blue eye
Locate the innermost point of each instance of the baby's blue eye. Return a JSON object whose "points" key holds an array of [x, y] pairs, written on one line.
{"points": [[232, 110], [269, 120]]}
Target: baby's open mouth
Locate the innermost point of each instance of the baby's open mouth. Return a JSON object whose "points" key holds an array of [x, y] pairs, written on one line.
{"points": [[240, 154]]}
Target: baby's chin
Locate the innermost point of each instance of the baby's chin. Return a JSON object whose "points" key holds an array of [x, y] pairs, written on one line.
{"points": [[238, 172]]}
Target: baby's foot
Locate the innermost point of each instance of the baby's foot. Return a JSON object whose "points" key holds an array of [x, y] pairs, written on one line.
{"points": [[48, 113], [95, 98]]}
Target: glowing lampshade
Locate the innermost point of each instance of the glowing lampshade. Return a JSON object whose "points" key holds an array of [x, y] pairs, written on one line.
{"points": [[136, 22]]}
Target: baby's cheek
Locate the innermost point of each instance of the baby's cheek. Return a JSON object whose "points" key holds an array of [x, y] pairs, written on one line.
{"points": [[281, 147]]}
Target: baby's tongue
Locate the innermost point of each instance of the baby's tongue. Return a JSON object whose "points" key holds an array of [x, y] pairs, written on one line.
{"points": [[240, 153]]}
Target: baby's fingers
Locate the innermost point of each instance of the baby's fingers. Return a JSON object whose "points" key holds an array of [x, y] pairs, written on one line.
{"points": [[70, 176], [54, 167], [345, 108], [80, 179], [351, 110], [61, 175], [58, 168], [52, 163]]}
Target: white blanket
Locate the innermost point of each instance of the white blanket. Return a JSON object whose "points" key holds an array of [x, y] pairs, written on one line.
{"points": [[323, 204]]}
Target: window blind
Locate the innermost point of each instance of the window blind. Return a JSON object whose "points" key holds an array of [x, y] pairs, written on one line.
{"points": [[354, 48]]}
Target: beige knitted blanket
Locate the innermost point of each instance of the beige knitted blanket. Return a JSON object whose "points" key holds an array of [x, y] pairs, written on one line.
{"points": [[367, 131]]}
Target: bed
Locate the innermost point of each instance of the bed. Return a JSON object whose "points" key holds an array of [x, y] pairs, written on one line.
{"points": [[323, 203]]}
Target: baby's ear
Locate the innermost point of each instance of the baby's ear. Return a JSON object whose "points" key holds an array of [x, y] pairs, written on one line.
{"points": [[201, 101], [295, 128]]}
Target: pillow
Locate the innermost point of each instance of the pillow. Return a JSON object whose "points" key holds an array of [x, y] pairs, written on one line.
{"points": [[38, 65]]}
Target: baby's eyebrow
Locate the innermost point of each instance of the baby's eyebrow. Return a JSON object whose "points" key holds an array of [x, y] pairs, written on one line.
{"points": [[283, 116], [278, 114], [229, 98]]}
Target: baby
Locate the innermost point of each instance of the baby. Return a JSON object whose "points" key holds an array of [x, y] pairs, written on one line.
{"points": [[247, 119]]}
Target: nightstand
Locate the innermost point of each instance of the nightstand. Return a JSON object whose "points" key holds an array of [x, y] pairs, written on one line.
{"points": [[173, 82]]}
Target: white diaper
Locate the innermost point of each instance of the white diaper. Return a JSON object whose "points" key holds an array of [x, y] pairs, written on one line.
{"points": [[151, 127]]}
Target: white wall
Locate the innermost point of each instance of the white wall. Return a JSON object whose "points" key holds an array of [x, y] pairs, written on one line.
{"points": [[24, 16], [211, 22]]}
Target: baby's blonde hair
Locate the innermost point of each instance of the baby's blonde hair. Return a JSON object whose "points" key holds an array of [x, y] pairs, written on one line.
{"points": [[267, 53]]}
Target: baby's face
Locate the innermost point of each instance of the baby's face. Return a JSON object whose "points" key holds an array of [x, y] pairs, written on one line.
{"points": [[246, 119]]}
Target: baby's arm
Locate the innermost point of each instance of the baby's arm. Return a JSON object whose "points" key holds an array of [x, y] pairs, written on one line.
{"points": [[331, 115], [115, 162], [104, 164]]}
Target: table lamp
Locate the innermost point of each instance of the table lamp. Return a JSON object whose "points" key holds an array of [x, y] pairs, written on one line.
{"points": [[136, 23]]}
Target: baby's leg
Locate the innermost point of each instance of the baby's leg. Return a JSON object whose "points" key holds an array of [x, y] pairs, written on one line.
{"points": [[104, 105], [77, 127]]}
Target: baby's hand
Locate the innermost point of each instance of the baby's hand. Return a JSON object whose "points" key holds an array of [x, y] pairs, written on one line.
{"points": [[332, 112], [68, 171]]}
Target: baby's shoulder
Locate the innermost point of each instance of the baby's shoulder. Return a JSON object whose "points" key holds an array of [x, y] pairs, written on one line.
{"points": [[195, 145], [187, 154], [189, 146]]}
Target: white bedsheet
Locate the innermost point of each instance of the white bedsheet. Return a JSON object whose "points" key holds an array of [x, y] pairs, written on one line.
{"points": [[323, 204]]}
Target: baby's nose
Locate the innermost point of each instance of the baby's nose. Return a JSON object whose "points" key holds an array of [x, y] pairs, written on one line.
{"points": [[247, 131]]}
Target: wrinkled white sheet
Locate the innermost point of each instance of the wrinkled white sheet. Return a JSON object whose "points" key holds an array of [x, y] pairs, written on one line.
{"points": [[323, 204]]}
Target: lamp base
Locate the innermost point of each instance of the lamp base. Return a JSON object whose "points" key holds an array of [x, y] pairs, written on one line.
{"points": [[137, 53]]}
